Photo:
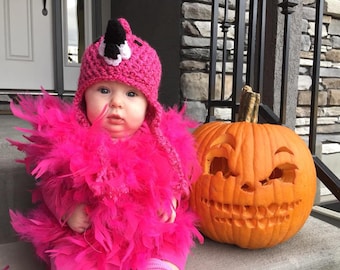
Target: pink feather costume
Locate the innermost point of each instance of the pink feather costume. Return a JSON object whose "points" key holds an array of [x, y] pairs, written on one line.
{"points": [[123, 183]]}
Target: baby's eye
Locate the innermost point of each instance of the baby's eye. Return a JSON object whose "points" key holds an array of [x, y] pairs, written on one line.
{"points": [[131, 94], [104, 90]]}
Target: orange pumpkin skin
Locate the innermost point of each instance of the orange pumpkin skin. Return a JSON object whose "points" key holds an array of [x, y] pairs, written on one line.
{"points": [[258, 183]]}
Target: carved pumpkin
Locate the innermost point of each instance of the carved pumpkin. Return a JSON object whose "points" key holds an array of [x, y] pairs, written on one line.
{"points": [[258, 183]]}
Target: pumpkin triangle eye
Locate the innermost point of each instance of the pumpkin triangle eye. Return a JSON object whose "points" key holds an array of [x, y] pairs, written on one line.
{"points": [[284, 174], [220, 164], [276, 173]]}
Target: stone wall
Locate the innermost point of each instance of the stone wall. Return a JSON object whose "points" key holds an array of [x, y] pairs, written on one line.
{"points": [[329, 85], [195, 57], [195, 63]]}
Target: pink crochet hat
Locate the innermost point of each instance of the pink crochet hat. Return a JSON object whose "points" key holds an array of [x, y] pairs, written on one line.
{"points": [[121, 56]]}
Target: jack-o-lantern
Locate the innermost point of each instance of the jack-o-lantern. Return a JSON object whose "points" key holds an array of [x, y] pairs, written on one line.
{"points": [[258, 183]]}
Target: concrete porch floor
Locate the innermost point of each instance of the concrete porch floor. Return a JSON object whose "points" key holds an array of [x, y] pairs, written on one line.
{"points": [[315, 246]]}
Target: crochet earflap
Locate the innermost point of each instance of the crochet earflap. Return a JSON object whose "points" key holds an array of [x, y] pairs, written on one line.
{"points": [[114, 47]]}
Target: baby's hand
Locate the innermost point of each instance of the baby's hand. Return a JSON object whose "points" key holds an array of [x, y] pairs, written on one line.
{"points": [[79, 221], [165, 217]]}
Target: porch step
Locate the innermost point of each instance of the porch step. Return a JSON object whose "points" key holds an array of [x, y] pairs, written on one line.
{"points": [[315, 246], [4, 108]]}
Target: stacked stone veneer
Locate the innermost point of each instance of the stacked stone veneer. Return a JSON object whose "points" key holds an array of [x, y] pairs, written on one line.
{"points": [[329, 85], [195, 64], [195, 57]]}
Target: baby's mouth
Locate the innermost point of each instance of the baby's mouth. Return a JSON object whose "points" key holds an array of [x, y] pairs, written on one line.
{"points": [[115, 118]]}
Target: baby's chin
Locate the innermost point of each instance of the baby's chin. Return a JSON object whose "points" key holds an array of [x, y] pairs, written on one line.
{"points": [[120, 135]]}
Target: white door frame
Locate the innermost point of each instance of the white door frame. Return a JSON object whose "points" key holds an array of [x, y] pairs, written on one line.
{"points": [[71, 70]]}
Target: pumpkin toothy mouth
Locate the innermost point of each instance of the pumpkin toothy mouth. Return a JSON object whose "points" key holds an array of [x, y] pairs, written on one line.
{"points": [[251, 216]]}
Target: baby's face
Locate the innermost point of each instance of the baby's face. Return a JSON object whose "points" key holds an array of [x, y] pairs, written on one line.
{"points": [[125, 107]]}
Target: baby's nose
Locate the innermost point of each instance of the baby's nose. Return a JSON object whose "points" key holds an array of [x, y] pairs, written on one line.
{"points": [[116, 101]]}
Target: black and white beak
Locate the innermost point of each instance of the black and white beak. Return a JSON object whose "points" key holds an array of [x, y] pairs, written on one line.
{"points": [[114, 47]]}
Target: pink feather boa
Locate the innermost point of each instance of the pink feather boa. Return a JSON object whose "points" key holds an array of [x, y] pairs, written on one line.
{"points": [[123, 183]]}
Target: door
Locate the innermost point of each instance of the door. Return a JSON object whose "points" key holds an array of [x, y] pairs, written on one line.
{"points": [[28, 57], [26, 48]]}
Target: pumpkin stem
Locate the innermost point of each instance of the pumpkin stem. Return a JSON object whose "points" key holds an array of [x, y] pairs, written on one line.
{"points": [[249, 105]]}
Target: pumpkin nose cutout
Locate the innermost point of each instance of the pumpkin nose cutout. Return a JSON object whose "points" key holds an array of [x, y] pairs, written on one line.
{"points": [[248, 187]]}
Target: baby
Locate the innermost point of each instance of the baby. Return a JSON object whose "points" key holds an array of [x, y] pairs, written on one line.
{"points": [[113, 169]]}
